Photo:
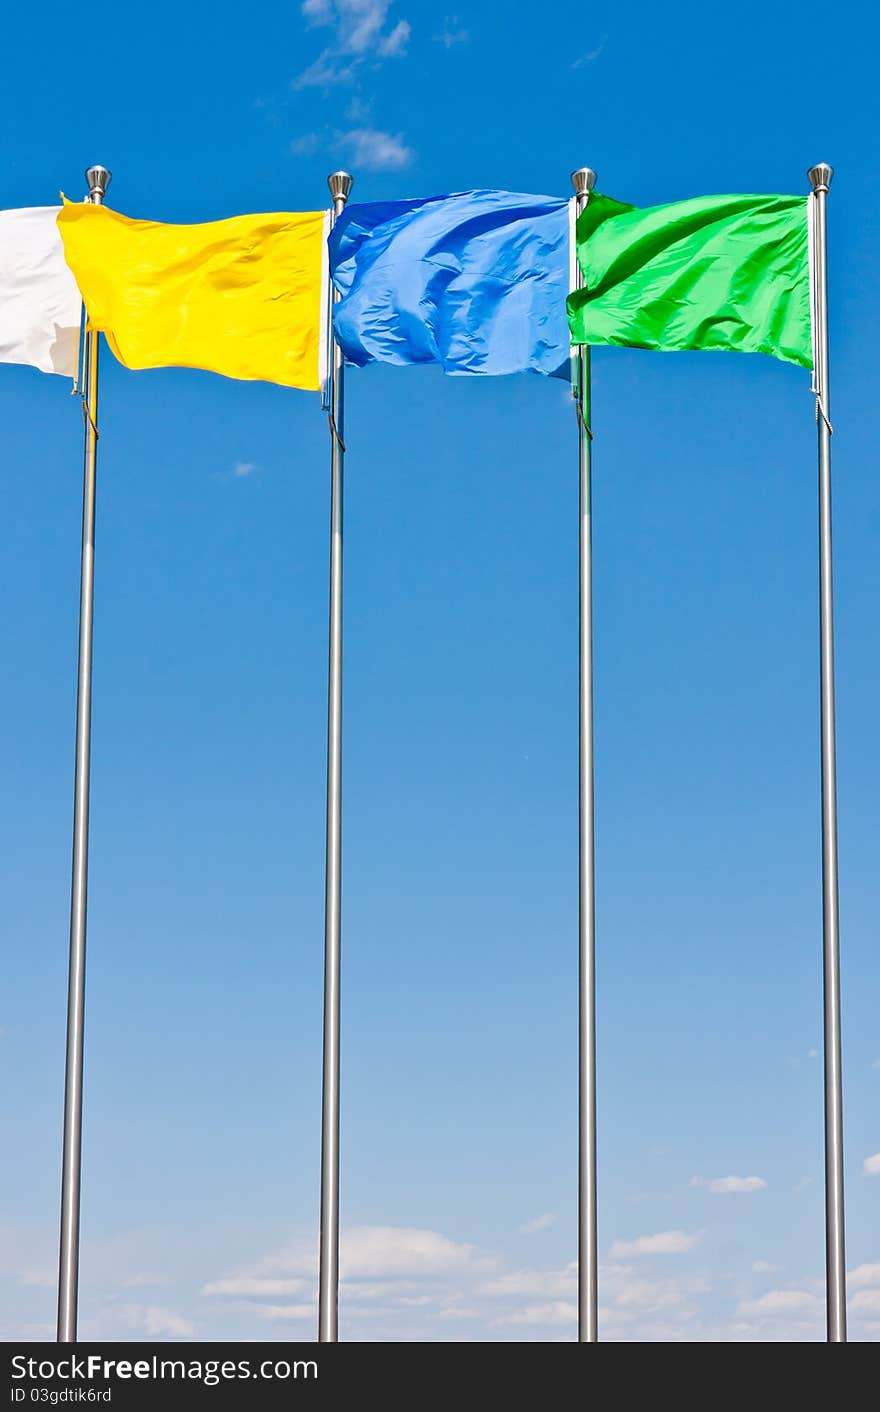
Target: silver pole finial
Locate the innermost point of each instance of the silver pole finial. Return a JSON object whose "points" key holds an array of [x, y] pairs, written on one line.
{"points": [[98, 179], [820, 176], [583, 181], [340, 184]]}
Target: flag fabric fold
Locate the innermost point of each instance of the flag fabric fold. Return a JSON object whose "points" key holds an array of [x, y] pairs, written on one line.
{"points": [[475, 282], [40, 305], [715, 272], [244, 297]]}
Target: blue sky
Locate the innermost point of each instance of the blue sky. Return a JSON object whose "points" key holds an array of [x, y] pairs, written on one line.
{"points": [[201, 1139]]}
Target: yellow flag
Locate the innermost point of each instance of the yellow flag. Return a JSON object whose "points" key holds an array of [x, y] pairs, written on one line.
{"points": [[244, 297]]}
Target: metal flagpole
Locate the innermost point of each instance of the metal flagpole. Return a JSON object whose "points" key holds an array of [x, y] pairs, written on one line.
{"points": [[340, 184], [835, 1255], [98, 179], [583, 180]]}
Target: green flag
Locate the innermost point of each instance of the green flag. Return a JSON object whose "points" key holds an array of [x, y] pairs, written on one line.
{"points": [[728, 272]]}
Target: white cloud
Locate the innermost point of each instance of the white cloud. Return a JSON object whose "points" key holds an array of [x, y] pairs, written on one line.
{"points": [[368, 1251], [863, 1276], [356, 22], [871, 1165], [727, 1186], [558, 1312], [781, 1301], [802, 1185], [360, 24], [867, 1301], [358, 110], [663, 1243], [630, 1295], [452, 33], [396, 1291], [277, 1312], [375, 150], [306, 145], [253, 1287], [416, 1284], [724, 1186], [327, 71], [591, 54], [394, 44], [389, 1258], [647, 1294], [360, 34], [42, 1278], [244, 468], [549, 1283], [763, 1267], [377, 1254], [538, 1223], [155, 1320]]}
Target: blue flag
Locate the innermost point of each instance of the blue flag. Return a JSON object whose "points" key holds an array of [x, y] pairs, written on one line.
{"points": [[476, 282]]}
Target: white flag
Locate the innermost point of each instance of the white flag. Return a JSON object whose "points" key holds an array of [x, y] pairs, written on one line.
{"points": [[39, 302]]}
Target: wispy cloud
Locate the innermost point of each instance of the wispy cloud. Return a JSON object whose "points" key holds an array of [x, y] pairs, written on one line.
{"points": [[253, 1287], [368, 148], [871, 1165], [361, 34], [729, 1186], [802, 1185], [863, 1277], [358, 23], [558, 1312], [399, 1250], [278, 1312], [376, 151], [155, 1320], [395, 43], [548, 1297], [166, 1321], [763, 1267], [374, 1252], [327, 71], [663, 1243], [244, 468], [416, 1283], [591, 55], [538, 1223], [358, 110], [780, 1302], [306, 145], [452, 33], [40, 1278], [548, 1283], [399, 1289]]}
